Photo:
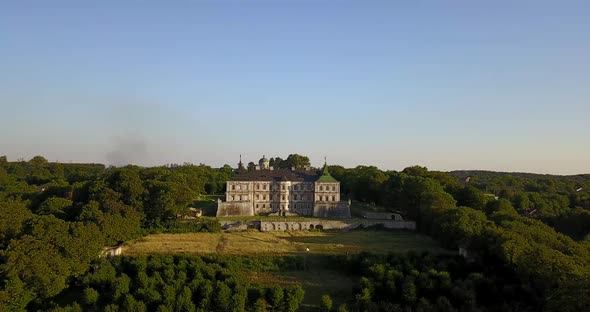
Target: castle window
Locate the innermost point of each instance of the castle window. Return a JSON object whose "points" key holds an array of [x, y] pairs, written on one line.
{"points": [[283, 187], [264, 197], [321, 188], [263, 205], [233, 187], [256, 206], [257, 197], [333, 187], [283, 197], [264, 187], [295, 197], [257, 186], [333, 198]]}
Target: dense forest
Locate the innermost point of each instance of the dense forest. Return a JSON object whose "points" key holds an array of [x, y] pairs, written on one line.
{"points": [[524, 236]]}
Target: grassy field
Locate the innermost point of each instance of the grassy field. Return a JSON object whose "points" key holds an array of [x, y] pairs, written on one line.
{"points": [[317, 279], [281, 243]]}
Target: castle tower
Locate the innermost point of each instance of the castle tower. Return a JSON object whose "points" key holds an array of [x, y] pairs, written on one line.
{"points": [[264, 163], [241, 164]]}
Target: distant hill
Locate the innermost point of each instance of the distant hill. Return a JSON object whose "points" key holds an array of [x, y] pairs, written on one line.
{"points": [[482, 174]]}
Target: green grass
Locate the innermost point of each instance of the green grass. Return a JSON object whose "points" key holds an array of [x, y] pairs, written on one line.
{"points": [[282, 243]]}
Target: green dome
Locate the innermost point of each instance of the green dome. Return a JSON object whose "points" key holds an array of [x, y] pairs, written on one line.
{"points": [[263, 159]]}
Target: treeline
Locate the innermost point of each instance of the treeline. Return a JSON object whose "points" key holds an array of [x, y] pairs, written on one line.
{"points": [[493, 231], [425, 283], [56, 218], [188, 284], [560, 201]]}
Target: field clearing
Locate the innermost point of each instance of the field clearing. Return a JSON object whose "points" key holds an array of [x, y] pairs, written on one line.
{"points": [[317, 280], [282, 243]]}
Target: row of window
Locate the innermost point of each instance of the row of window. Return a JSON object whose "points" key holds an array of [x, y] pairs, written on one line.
{"points": [[283, 206], [283, 197], [296, 187], [328, 187], [325, 198], [276, 197]]}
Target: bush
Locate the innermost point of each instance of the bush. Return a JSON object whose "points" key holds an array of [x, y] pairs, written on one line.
{"points": [[90, 296]]}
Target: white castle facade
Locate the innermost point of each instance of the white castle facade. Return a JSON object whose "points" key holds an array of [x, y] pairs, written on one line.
{"points": [[283, 192]]}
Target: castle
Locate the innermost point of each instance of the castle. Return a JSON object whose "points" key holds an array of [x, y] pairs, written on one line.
{"points": [[283, 192]]}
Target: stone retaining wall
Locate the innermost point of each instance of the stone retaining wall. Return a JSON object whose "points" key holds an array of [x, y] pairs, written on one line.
{"points": [[243, 209], [266, 226]]}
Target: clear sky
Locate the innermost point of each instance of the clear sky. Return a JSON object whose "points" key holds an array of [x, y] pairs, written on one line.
{"points": [[496, 85]]}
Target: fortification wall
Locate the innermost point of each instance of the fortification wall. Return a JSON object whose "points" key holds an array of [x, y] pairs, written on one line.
{"points": [[383, 216], [242, 209], [266, 226], [331, 210]]}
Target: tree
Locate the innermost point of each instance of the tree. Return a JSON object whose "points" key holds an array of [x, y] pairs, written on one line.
{"points": [[470, 196], [127, 182], [183, 301], [501, 206], [275, 297], [522, 202], [38, 161], [15, 295], [260, 305], [276, 163], [293, 297], [56, 206], [295, 161], [409, 290], [13, 216], [90, 296], [326, 303], [460, 226], [38, 264], [222, 300], [444, 305], [418, 171], [251, 167]]}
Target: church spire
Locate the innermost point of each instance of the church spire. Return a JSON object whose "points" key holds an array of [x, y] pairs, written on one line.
{"points": [[240, 164]]}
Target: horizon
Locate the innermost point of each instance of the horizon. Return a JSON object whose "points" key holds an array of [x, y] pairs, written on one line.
{"points": [[317, 167], [496, 86]]}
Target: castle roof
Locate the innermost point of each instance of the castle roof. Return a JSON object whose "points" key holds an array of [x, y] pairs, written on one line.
{"points": [[276, 175], [326, 176], [263, 159]]}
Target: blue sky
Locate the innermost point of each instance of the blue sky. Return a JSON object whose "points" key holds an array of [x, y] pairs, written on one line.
{"points": [[497, 85]]}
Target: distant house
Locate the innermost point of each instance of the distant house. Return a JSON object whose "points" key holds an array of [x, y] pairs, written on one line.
{"points": [[112, 251]]}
